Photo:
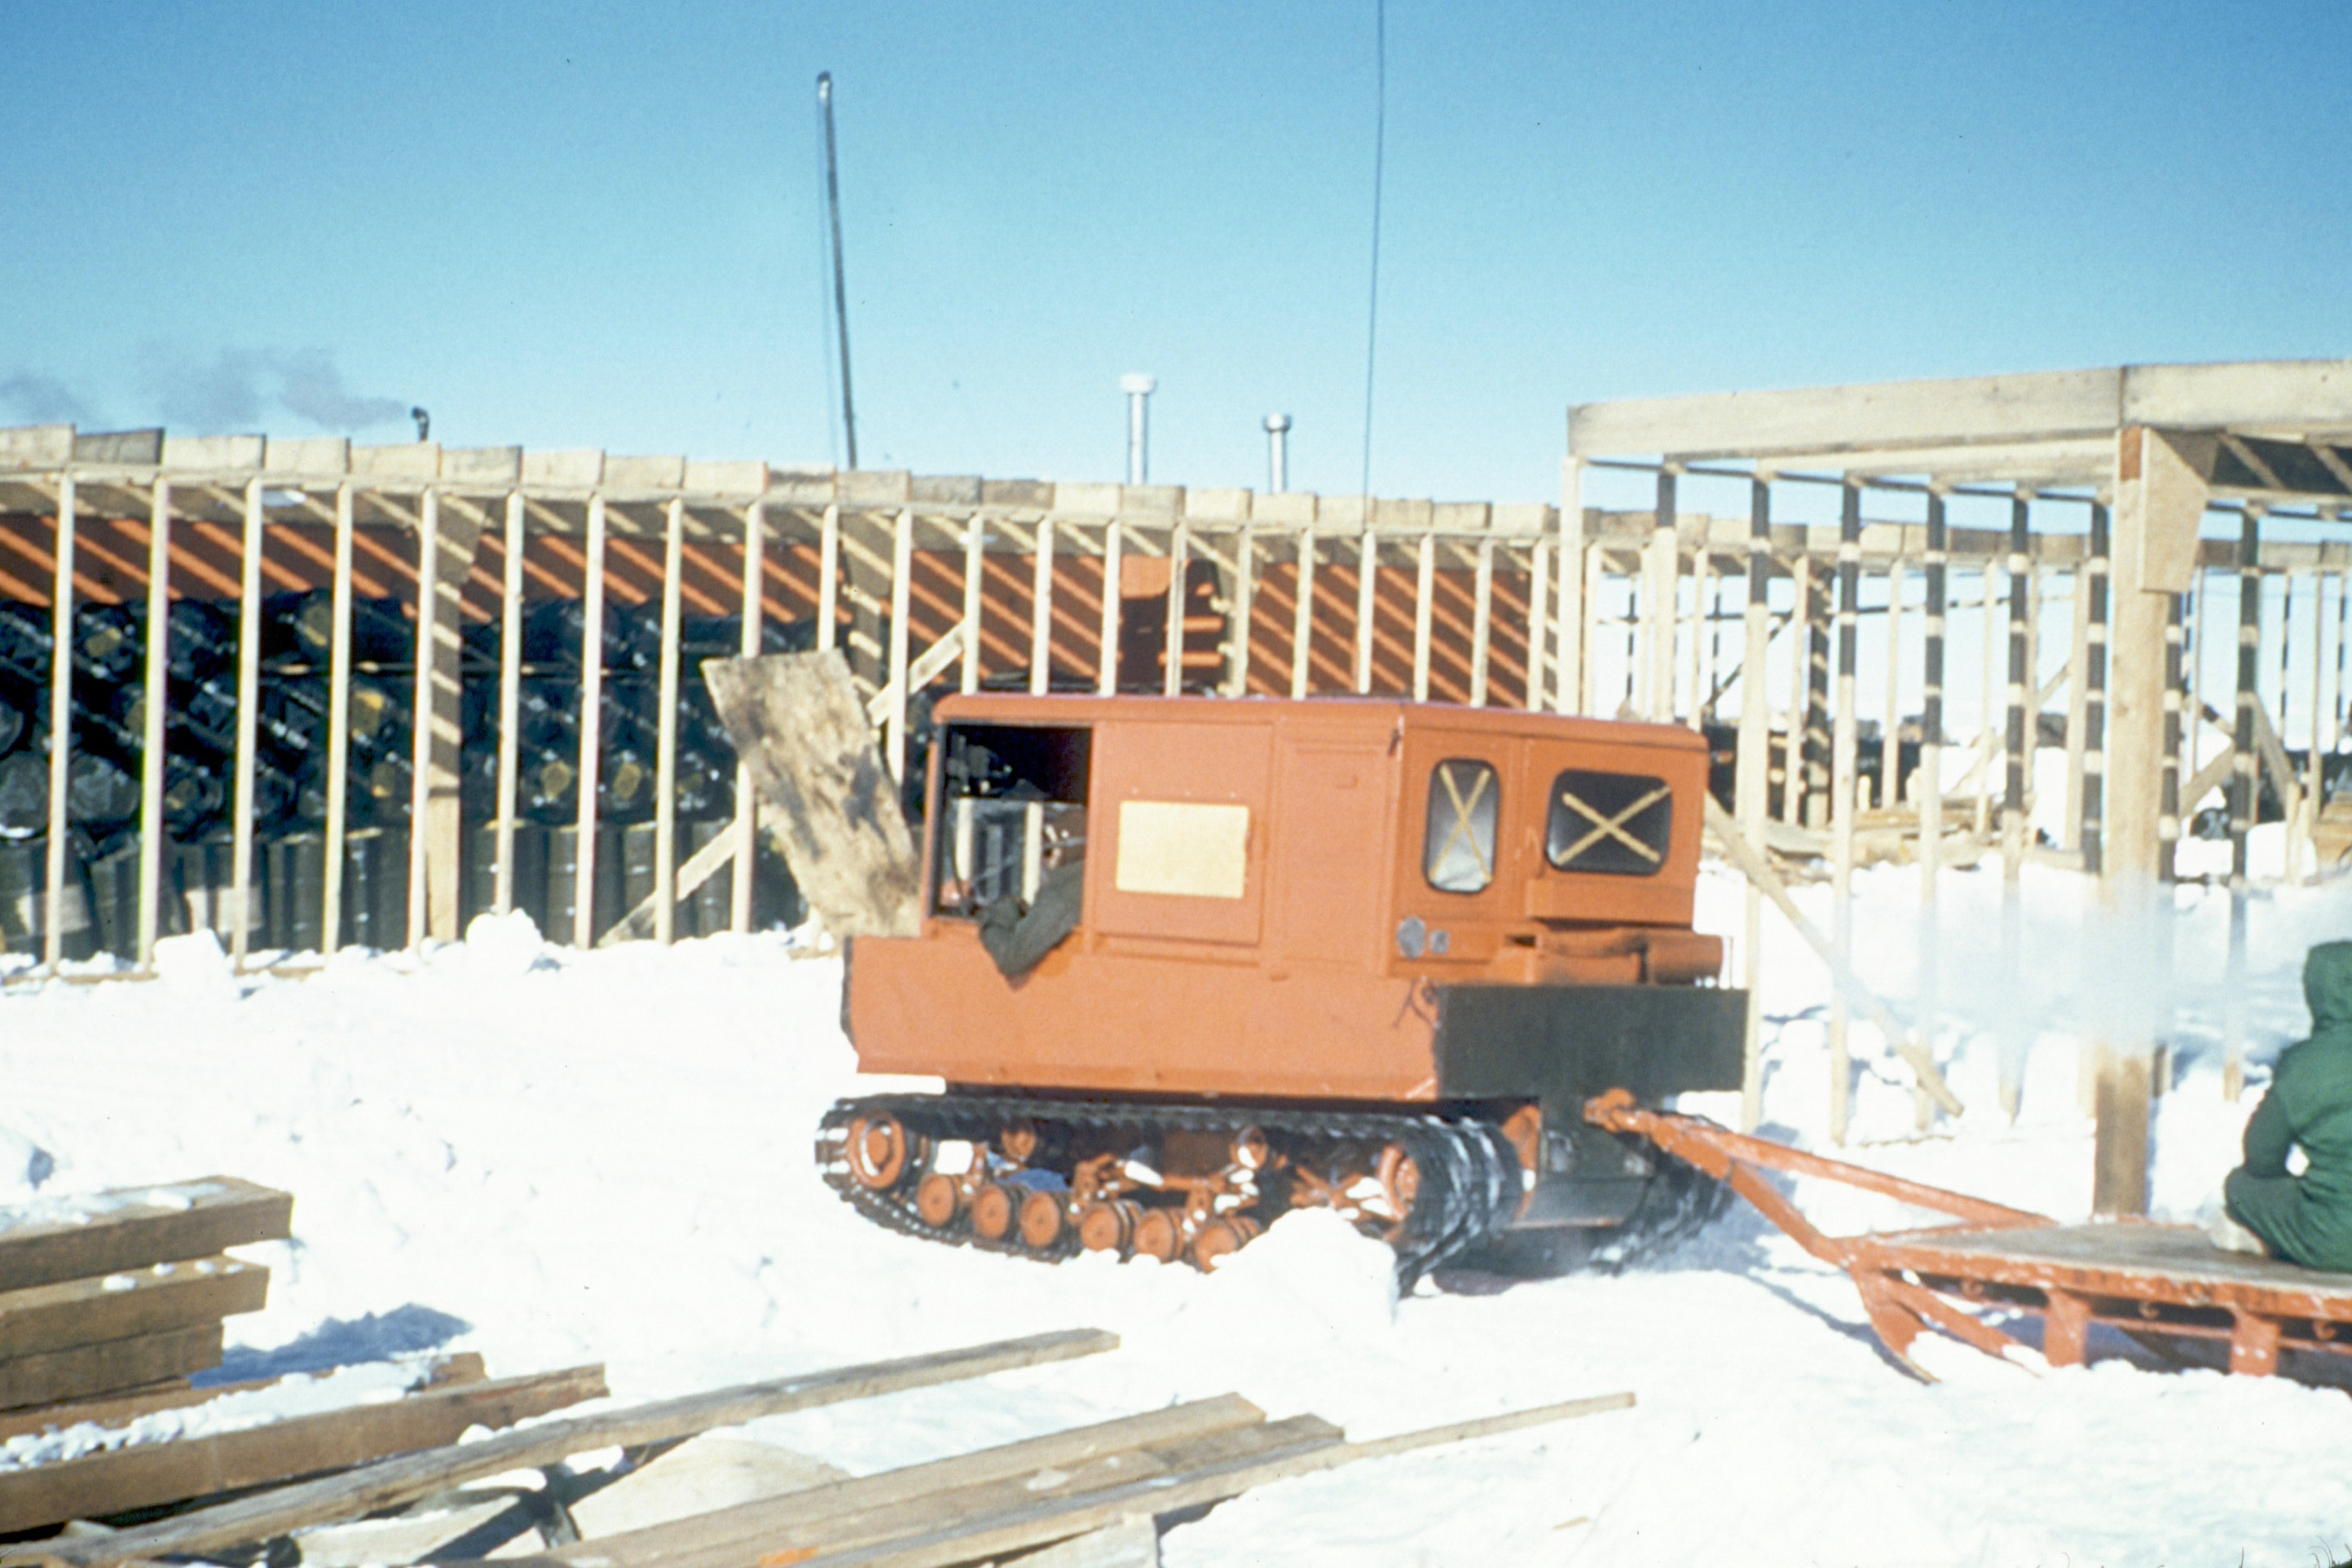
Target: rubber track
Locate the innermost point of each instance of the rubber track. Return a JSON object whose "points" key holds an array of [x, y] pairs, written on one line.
{"points": [[1470, 1180]]}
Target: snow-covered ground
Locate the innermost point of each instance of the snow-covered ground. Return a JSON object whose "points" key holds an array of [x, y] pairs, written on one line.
{"points": [[555, 1158]]}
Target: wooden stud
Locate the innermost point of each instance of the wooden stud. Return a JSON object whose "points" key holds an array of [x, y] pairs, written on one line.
{"points": [[975, 545], [1539, 631], [2078, 647], [1242, 607], [1368, 559], [338, 723], [2090, 834], [1792, 775], [902, 572], [592, 716], [740, 887], [1107, 662], [1890, 736], [1702, 643], [154, 701], [2015, 1042], [1575, 605], [61, 611], [1820, 742], [1302, 617], [666, 736], [1661, 570], [1935, 588], [1842, 787], [828, 577], [1179, 566], [1482, 622], [248, 704], [1594, 567], [1424, 590], [2244, 783], [1040, 610], [1754, 782], [510, 698], [420, 848]]}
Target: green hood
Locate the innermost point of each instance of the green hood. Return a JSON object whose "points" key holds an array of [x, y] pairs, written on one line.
{"points": [[2328, 984]]}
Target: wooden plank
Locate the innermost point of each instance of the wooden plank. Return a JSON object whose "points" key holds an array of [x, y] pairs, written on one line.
{"points": [[120, 1306], [116, 1410], [748, 1531], [78, 1372], [828, 799], [388, 1483], [1058, 1518], [146, 1473], [133, 1227], [1132, 1544]]}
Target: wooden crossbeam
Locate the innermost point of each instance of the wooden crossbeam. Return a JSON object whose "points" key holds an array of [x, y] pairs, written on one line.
{"points": [[118, 1306]]}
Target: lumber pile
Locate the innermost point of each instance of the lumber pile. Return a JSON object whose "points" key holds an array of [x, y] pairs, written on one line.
{"points": [[1087, 1497], [126, 1290]]}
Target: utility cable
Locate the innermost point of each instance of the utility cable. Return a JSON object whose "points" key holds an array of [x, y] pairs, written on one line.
{"points": [[1380, 149]]}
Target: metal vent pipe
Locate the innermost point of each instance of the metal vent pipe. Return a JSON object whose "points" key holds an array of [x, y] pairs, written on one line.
{"points": [[1277, 453], [1139, 390]]}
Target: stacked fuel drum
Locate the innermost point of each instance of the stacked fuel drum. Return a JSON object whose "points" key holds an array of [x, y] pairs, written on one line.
{"points": [[108, 654]]}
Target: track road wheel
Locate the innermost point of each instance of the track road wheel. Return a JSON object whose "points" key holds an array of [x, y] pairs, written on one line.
{"points": [[992, 1211], [1160, 1233], [1220, 1237], [939, 1198], [1108, 1225], [1043, 1217], [878, 1151]]}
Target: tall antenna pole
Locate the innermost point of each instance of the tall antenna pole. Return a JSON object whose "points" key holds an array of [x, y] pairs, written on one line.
{"points": [[840, 293]]}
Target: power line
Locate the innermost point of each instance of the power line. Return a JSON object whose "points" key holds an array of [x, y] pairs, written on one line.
{"points": [[1380, 151]]}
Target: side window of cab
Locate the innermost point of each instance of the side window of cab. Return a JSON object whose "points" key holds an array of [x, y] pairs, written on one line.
{"points": [[1457, 852]]}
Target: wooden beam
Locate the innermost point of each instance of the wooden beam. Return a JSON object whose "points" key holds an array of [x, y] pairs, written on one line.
{"points": [[122, 1305], [144, 1475], [118, 1409], [134, 1227], [388, 1483], [81, 1371]]}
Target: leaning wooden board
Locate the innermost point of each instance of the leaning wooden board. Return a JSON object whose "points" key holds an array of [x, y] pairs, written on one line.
{"points": [[134, 1227], [144, 1475]]}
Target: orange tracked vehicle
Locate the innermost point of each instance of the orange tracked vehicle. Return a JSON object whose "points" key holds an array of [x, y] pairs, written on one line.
{"points": [[1366, 955]]}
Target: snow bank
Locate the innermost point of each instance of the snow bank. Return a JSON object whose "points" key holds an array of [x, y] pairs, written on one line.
{"points": [[554, 1157]]}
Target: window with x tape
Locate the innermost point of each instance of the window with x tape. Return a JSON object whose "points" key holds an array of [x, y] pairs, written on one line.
{"points": [[1457, 853], [1615, 824]]}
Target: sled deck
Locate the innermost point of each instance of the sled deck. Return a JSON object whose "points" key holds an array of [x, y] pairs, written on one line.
{"points": [[2152, 1281]]}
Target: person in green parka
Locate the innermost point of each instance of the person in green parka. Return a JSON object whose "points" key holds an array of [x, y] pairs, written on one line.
{"points": [[2305, 1219]]}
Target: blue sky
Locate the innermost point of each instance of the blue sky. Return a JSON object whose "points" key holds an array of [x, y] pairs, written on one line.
{"points": [[573, 226]]}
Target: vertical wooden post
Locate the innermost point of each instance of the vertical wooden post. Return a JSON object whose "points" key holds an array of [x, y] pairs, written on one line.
{"points": [[1594, 566], [2158, 500], [1302, 615], [2015, 1040], [2078, 651], [1753, 780], [592, 715], [1662, 587], [828, 577], [2245, 783], [2300, 850], [1574, 606], [1179, 568], [1244, 603], [2090, 834], [1792, 765], [436, 824], [1107, 669], [1481, 621], [1890, 738], [1367, 558], [666, 737], [1818, 743], [61, 611], [509, 703], [902, 564], [1424, 586], [1841, 803], [1935, 589], [1702, 651], [338, 723], [975, 545], [248, 704], [1040, 610], [1989, 727], [154, 701], [741, 885], [1539, 624], [2343, 606]]}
